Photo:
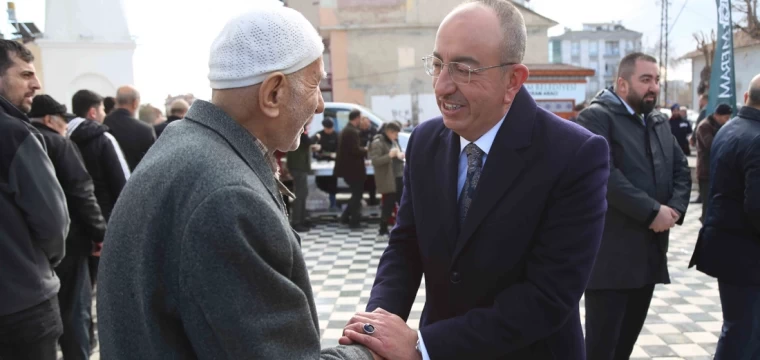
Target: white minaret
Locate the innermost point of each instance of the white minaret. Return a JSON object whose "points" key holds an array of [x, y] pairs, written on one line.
{"points": [[86, 45]]}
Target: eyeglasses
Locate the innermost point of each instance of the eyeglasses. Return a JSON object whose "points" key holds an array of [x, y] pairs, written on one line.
{"points": [[460, 73]]}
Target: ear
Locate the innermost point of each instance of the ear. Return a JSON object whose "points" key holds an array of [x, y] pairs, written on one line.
{"points": [[746, 97], [271, 94], [92, 113], [622, 86], [515, 80]]}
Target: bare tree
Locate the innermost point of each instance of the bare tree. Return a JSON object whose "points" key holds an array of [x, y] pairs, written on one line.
{"points": [[707, 47], [750, 24]]}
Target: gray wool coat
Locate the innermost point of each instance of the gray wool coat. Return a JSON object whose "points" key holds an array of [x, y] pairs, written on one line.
{"points": [[200, 262]]}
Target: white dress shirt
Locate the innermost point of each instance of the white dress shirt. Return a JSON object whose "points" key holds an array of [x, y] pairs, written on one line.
{"points": [[484, 143]]}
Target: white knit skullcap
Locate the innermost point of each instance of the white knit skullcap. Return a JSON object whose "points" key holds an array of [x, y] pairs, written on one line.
{"points": [[260, 42]]}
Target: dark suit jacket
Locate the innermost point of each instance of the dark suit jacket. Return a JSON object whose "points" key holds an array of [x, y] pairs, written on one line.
{"points": [[507, 285], [728, 246], [134, 136], [349, 162]]}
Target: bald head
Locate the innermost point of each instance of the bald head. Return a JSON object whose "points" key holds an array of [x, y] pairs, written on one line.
{"points": [[127, 97], [752, 97], [511, 23]]}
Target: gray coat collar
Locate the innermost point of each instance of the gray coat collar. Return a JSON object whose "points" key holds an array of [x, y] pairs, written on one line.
{"points": [[241, 141]]}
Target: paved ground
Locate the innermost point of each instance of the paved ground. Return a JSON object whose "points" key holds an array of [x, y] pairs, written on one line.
{"points": [[684, 319]]}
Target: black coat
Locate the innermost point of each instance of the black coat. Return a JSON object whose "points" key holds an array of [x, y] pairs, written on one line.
{"points": [[349, 162], [728, 246], [134, 136], [647, 168], [681, 129], [160, 127], [87, 222], [103, 160]]}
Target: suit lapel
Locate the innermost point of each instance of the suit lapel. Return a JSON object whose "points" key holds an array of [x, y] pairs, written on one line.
{"points": [[503, 165], [447, 168]]}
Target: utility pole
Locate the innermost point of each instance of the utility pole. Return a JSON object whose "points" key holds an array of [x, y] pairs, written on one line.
{"points": [[664, 48], [667, 27]]}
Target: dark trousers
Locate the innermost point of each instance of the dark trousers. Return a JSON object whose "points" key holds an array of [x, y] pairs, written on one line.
{"points": [[614, 319], [32, 333], [389, 203], [353, 212], [75, 299], [740, 336], [704, 190], [301, 185]]}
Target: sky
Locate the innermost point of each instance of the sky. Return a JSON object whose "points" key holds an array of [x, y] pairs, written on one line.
{"points": [[173, 36]]}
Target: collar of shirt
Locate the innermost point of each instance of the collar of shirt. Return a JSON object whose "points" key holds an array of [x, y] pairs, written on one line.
{"points": [[485, 141], [630, 109], [272, 161]]}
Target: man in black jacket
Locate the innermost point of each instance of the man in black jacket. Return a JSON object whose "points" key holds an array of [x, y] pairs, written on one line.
{"points": [[102, 157], [85, 233], [177, 111], [134, 136], [349, 164], [648, 193], [728, 247], [100, 150], [34, 220]]}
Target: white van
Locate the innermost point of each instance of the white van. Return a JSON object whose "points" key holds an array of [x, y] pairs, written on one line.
{"points": [[340, 111]]}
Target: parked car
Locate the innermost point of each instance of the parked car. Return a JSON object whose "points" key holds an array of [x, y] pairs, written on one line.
{"points": [[339, 112]]}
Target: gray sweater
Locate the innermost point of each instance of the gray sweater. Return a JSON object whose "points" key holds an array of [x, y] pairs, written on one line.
{"points": [[199, 258]]}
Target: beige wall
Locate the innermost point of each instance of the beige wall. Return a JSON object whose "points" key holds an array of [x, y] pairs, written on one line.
{"points": [[387, 61]]}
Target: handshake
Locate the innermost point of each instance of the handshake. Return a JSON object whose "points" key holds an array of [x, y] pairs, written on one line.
{"points": [[396, 153], [386, 335]]}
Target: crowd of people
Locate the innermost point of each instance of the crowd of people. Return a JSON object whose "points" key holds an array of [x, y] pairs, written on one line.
{"points": [[509, 212]]}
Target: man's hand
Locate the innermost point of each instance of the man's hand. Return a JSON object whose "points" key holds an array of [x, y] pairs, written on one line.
{"points": [[401, 155], [392, 338], [676, 215], [393, 153], [96, 249], [664, 220]]}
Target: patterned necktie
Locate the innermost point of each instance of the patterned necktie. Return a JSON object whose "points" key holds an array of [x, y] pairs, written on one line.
{"points": [[474, 167]]}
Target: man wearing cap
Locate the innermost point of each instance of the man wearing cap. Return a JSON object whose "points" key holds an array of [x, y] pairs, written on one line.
{"points": [[680, 127], [728, 247], [703, 138], [201, 259], [85, 233]]}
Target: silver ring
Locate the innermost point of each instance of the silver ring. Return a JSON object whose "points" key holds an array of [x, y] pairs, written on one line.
{"points": [[369, 329]]}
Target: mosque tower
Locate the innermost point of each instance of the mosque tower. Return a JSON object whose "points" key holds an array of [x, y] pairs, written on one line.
{"points": [[86, 45]]}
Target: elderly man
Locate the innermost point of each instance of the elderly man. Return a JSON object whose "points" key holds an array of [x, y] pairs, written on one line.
{"points": [[502, 210], [728, 247], [134, 136], [177, 110], [209, 266]]}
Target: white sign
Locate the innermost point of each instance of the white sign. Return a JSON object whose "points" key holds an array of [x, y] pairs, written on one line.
{"points": [[551, 91], [399, 107]]}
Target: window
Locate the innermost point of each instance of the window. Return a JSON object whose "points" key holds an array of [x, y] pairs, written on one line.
{"points": [[555, 51], [610, 69], [595, 66], [575, 49], [611, 48], [593, 48]]}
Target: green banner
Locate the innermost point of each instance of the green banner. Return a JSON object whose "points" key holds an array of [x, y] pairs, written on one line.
{"points": [[722, 80]]}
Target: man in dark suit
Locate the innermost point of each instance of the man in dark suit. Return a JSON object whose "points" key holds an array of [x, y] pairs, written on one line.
{"points": [[728, 247], [502, 211], [349, 164], [648, 194], [134, 136]]}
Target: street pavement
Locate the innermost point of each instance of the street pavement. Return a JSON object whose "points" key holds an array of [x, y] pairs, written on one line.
{"points": [[684, 319]]}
